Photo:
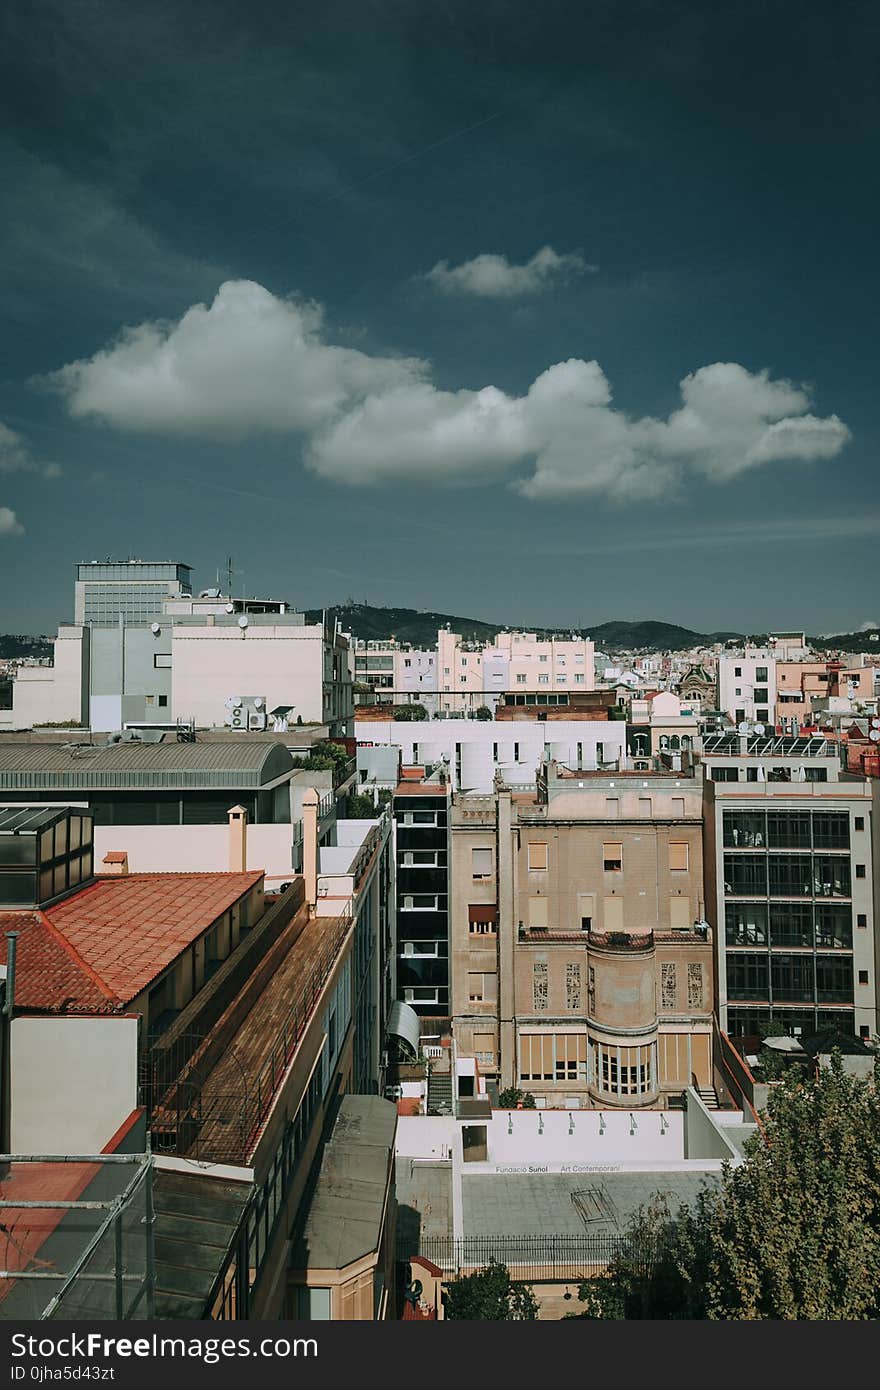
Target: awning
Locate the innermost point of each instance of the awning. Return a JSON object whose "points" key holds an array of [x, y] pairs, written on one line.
{"points": [[403, 1022], [483, 912]]}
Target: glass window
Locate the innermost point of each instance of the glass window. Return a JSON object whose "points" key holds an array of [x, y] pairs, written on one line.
{"points": [[831, 876], [481, 863], [833, 926], [745, 875], [792, 978], [748, 976], [745, 829], [834, 979], [746, 924], [788, 829], [791, 924], [831, 830], [790, 875], [612, 858]]}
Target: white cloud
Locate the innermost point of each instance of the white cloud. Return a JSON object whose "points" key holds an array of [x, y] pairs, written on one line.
{"points": [[9, 523], [494, 277], [16, 457], [252, 363]]}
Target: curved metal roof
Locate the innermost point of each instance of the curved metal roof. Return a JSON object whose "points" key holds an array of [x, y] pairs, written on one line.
{"points": [[133, 765]]}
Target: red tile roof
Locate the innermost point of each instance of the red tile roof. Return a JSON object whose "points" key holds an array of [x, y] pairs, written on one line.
{"points": [[49, 976], [97, 950]]}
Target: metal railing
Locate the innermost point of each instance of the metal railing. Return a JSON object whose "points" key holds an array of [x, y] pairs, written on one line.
{"points": [[189, 1116], [549, 1258], [113, 1274]]}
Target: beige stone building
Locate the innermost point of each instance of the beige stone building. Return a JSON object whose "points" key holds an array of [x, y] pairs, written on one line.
{"points": [[581, 964]]}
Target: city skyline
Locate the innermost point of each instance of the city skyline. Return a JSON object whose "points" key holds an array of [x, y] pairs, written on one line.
{"points": [[451, 312]]}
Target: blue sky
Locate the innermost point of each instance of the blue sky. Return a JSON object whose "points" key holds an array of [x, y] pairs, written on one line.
{"points": [[536, 314]]}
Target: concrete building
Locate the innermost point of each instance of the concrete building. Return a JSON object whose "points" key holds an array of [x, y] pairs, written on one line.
{"points": [[473, 751], [581, 966], [229, 1022], [747, 685], [132, 590], [148, 652], [550, 1195], [791, 886], [421, 839], [661, 723], [805, 689]]}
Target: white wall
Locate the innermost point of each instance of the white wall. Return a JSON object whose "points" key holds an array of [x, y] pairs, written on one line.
{"points": [[210, 664], [432, 737], [49, 694], [74, 1082], [154, 849]]}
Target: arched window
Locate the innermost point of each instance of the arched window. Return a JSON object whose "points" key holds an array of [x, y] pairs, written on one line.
{"points": [[674, 743]]}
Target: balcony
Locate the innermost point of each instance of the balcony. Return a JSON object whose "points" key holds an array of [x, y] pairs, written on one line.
{"points": [[621, 940]]}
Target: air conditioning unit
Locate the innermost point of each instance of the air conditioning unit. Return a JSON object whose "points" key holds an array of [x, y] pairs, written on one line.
{"points": [[257, 719], [238, 719]]}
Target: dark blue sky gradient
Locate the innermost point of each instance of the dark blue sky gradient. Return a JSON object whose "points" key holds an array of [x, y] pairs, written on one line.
{"points": [[718, 166]]}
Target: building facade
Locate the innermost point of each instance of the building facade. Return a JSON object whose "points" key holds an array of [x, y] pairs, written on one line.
{"points": [[581, 966], [791, 844]]}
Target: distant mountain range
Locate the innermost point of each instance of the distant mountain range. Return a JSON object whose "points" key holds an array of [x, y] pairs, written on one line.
{"points": [[412, 625], [420, 629]]}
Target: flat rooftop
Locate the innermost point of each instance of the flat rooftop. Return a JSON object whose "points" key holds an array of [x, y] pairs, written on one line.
{"points": [[570, 1203]]}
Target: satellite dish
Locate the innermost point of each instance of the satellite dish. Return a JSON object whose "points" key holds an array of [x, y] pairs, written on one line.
{"points": [[243, 622], [236, 703], [759, 728], [744, 727], [874, 735], [155, 628], [230, 608], [258, 702], [875, 723]]}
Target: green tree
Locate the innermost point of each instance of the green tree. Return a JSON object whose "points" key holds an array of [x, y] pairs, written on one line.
{"points": [[410, 712], [490, 1295], [482, 712], [513, 1096], [793, 1233]]}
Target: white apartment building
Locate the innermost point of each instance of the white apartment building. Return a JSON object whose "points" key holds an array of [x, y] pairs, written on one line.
{"points": [[475, 750], [515, 661], [747, 685]]}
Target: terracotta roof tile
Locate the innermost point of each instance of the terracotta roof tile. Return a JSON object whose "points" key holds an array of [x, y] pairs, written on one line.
{"points": [[97, 950]]}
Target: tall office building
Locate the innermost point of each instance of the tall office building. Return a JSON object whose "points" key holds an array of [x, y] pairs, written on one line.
{"points": [[789, 886], [107, 590]]}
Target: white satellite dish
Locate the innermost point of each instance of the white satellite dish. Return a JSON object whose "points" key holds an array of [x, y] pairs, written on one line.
{"points": [[258, 702], [155, 628], [875, 723], [230, 608], [874, 735], [236, 702], [759, 729], [243, 622], [744, 727]]}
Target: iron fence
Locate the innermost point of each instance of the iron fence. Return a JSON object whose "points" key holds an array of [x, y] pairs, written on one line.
{"points": [[560, 1258]]}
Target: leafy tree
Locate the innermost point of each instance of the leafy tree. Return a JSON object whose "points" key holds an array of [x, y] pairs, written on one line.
{"points": [[513, 1097], [793, 1234], [490, 1295], [410, 712], [482, 712]]}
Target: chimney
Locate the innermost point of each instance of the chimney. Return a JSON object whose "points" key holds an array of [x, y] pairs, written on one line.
{"points": [[310, 846], [115, 863], [238, 819]]}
